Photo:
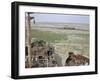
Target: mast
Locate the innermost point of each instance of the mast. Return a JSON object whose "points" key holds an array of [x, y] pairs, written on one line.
{"points": [[29, 41]]}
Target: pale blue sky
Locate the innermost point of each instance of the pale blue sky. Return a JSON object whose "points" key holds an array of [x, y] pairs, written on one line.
{"points": [[60, 18]]}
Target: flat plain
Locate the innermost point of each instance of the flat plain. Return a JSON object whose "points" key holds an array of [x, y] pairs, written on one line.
{"points": [[64, 37]]}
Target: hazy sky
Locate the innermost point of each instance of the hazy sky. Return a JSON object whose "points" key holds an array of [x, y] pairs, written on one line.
{"points": [[60, 18]]}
